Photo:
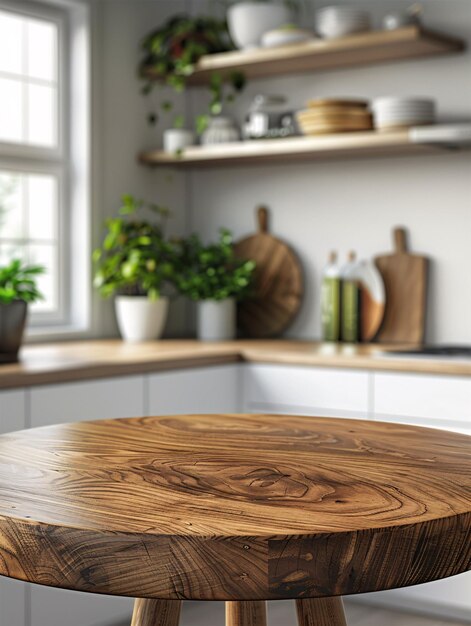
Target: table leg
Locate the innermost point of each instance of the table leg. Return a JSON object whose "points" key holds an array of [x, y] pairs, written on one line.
{"points": [[246, 613], [156, 612], [321, 612]]}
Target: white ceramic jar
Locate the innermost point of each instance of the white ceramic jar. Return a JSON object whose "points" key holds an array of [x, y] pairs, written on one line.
{"points": [[139, 318], [216, 320], [220, 130], [176, 139], [248, 21]]}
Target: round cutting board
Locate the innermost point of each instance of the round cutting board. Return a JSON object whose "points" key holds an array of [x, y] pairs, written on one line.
{"points": [[278, 289]]}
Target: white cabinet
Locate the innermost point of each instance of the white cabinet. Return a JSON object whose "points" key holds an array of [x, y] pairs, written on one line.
{"points": [[12, 592], [425, 400], [55, 404], [58, 607], [91, 400], [306, 390], [437, 402], [202, 390], [12, 410]]}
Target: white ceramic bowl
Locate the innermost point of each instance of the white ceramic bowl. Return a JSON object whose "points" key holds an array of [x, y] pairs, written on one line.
{"points": [[284, 37], [397, 101], [248, 21]]}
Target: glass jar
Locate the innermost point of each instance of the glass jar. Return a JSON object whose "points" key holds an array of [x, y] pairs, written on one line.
{"points": [[268, 118]]}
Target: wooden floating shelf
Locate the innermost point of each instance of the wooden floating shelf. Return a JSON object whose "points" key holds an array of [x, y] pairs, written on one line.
{"points": [[359, 144], [411, 42]]}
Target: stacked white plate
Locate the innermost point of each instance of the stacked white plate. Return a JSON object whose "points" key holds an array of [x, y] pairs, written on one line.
{"points": [[338, 21], [393, 112]]}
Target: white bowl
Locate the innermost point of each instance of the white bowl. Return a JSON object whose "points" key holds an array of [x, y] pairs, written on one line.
{"points": [[395, 101], [248, 21], [284, 37]]}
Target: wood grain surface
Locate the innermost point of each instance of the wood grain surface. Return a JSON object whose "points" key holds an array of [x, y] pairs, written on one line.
{"points": [[246, 613], [47, 364], [156, 612], [320, 612], [405, 279], [234, 507], [377, 46], [279, 285]]}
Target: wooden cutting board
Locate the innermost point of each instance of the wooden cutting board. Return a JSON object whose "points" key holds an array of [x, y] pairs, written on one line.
{"points": [[278, 287], [405, 279]]}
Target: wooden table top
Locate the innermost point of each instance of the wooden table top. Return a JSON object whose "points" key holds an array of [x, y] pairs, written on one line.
{"points": [[234, 506]]}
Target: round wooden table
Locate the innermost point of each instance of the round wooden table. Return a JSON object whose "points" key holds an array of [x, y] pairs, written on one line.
{"points": [[240, 508]]}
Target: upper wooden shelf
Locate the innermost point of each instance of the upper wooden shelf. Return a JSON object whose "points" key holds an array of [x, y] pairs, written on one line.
{"points": [[345, 145], [364, 49]]}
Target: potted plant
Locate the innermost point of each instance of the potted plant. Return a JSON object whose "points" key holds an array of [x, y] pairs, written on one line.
{"points": [[248, 21], [211, 276], [135, 263], [178, 137], [171, 53], [17, 290]]}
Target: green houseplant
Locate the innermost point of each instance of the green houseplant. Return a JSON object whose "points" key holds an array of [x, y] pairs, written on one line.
{"points": [[17, 289], [212, 276], [170, 54], [135, 263]]}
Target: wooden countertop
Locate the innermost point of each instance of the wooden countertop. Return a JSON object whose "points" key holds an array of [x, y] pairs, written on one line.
{"points": [[65, 362]]}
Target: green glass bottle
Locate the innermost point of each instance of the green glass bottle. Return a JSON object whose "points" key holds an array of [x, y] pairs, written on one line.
{"points": [[330, 300], [351, 294]]}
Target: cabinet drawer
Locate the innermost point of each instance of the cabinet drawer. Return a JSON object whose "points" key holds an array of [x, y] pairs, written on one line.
{"points": [[91, 400], [442, 401], [202, 390], [12, 410], [331, 392]]}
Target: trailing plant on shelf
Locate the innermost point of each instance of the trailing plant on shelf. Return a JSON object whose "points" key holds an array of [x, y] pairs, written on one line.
{"points": [[18, 289], [212, 276], [171, 53], [135, 262]]}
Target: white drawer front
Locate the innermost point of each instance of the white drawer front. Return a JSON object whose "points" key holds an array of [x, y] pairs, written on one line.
{"points": [[308, 390], [12, 410], [91, 400], [200, 390], [441, 401]]}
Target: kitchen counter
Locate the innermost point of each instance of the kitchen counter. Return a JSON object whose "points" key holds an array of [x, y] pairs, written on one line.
{"points": [[85, 360]]}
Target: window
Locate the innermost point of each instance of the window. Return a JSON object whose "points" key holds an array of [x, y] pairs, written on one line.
{"points": [[44, 152]]}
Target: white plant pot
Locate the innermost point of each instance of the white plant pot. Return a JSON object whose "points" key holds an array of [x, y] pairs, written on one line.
{"points": [[176, 139], [216, 320], [139, 318], [248, 21]]}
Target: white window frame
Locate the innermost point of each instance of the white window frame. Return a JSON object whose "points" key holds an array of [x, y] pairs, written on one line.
{"points": [[69, 161]]}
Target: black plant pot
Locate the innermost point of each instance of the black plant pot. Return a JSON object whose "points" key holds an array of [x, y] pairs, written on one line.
{"points": [[12, 325]]}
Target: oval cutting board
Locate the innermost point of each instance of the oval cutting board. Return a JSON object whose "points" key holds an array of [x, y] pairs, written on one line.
{"points": [[278, 287]]}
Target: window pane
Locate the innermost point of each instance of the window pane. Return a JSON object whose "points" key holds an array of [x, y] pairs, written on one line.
{"points": [[41, 40], [11, 206], [11, 43], [45, 255], [42, 207], [29, 228], [10, 252], [41, 115], [11, 110]]}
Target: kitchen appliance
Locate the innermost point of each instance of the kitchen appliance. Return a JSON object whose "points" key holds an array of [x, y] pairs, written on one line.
{"points": [[268, 118], [445, 351]]}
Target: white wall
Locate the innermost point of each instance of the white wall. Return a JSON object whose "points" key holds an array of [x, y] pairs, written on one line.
{"points": [[122, 130], [316, 207]]}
